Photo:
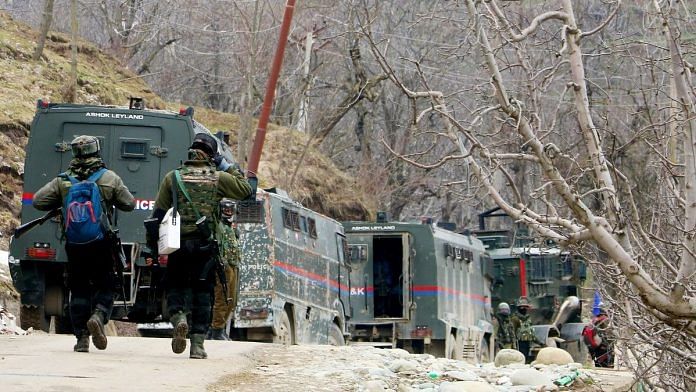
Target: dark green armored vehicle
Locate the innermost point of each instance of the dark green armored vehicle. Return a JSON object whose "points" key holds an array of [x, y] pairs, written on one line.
{"points": [[293, 277], [419, 287], [141, 146], [549, 277]]}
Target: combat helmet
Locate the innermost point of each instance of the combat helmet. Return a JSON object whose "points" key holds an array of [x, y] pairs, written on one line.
{"points": [[523, 302], [205, 143], [85, 146], [504, 308]]}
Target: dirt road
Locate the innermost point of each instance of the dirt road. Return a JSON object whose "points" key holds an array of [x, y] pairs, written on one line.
{"points": [[47, 363]]}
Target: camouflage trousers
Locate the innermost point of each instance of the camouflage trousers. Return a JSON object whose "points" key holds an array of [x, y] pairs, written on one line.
{"points": [[222, 309]]}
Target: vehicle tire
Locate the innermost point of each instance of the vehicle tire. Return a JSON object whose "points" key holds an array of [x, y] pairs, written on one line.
{"points": [[53, 301], [34, 317], [63, 325], [336, 336], [284, 334]]}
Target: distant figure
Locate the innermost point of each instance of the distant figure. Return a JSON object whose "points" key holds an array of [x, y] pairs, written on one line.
{"points": [[596, 338], [86, 228], [523, 328], [385, 287], [505, 331], [231, 254]]}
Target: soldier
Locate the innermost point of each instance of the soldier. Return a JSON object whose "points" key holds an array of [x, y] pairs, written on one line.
{"points": [[523, 328], [231, 255], [189, 269], [505, 331], [596, 337], [90, 264]]}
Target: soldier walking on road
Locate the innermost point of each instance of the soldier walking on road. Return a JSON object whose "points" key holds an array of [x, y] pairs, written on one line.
{"points": [[231, 254], [86, 226], [190, 269]]}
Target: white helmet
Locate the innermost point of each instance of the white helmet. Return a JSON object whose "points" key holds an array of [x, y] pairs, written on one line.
{"points": [[504, 308]]}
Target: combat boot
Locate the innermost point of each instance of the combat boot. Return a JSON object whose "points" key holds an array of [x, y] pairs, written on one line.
{"points": [[197, 350], [178, 321], [95, 325], [218, 334], [82, 345]]}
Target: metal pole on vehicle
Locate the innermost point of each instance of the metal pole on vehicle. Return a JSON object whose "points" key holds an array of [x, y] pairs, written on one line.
{"points": [[270, 88]]}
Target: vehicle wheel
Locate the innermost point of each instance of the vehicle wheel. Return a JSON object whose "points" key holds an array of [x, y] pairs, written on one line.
{"points": [[336, 336], [485, 356], [53, 301], [34, 317], [285, 332], [63, 325]]}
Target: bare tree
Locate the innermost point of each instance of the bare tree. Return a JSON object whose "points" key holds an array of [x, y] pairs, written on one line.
{"points": [[574, 152], [46, 19]]}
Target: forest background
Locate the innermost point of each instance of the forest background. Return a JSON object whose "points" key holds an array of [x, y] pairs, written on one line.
{"points": [[577, 118]]}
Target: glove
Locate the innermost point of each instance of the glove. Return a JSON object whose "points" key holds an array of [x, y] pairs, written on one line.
{"points": [[221, 163], [253, 183]]}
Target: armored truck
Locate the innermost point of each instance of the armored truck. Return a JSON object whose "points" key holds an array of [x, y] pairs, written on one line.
{"points": [[141, 146], [549, 277], [293, 278], [419, 287]]}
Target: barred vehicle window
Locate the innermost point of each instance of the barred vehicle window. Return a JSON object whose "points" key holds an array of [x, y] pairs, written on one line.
{"points": [[312, 227], [291, 219]]}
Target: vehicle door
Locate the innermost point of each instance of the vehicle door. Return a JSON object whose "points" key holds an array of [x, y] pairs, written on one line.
{"points": [[132, 155]]}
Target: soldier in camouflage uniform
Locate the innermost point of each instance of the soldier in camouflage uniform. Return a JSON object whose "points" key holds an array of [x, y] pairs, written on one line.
{"points": [[523, 328], [231, 254], [505, 330], [190, 275], [90, 266]]}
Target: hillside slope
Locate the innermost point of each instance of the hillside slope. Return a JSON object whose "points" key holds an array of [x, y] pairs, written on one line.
{"points": [[102, 80]]}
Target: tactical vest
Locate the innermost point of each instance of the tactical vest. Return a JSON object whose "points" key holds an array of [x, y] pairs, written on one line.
{"points": [[526, 332], [506, 331], [201, 183]]}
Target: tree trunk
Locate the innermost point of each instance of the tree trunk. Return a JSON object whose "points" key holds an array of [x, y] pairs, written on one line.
{"points": [[72, 88], [46, 21]]}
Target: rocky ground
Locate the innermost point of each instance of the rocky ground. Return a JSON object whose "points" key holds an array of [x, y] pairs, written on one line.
{"points": [[355, 368], [360, 368]]}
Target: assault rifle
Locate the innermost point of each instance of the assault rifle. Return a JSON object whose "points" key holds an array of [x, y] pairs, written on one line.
{"points": [[119, 260], [36, 222]]}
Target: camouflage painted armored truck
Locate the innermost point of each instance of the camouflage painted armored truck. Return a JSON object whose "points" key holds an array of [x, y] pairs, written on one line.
{"points": [[548, 276], [141, 146], [419, 287], [293, 277]]}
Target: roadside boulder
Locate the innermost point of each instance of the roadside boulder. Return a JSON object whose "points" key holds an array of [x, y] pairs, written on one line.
{"points": [[508, 356], [529, 377], [553, 356]]}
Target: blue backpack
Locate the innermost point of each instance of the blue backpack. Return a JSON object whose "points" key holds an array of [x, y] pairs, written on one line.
{"points": [[82, 210]]}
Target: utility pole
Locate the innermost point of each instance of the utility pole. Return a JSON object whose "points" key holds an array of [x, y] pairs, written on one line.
{"points": [[255, 156]]}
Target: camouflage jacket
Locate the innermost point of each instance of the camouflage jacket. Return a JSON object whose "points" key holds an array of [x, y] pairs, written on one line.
{"points": [[230, 251], [505, 334], [523, 328], [114, 192]]}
